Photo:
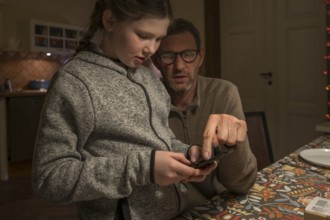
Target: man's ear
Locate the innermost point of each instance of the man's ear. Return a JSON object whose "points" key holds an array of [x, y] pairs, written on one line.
{"points": [[108, 20], [201, 56]]}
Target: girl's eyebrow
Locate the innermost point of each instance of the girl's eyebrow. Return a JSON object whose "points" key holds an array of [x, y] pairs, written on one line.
{"points": [[150, 34], [146, 32]]}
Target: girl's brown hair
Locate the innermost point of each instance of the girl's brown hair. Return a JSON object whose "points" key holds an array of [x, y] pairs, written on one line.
{"points": [[124, 10]]}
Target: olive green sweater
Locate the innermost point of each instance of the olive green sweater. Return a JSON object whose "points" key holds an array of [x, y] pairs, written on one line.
{"points": [[237, 171]]}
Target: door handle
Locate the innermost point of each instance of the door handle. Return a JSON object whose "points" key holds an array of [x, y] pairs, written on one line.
{"points": [[267, 75]]}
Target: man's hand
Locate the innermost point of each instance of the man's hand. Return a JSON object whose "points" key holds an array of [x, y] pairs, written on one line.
{"points": [[222, 129], [171, 167]]}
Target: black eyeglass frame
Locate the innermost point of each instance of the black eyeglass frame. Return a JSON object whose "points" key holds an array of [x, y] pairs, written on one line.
{"points": [[159, 55]]}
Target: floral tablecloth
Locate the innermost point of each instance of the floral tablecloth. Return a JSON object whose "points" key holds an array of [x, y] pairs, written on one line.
{"points": [[282, 191]]}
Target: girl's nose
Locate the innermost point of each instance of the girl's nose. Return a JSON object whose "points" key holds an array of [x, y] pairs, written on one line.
{"points": [[152, 47]]}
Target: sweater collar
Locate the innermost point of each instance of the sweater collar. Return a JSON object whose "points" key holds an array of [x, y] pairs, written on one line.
{"points": [[95, 55]]}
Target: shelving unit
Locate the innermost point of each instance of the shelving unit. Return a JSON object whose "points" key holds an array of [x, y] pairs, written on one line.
{"points": [[52, 37]]}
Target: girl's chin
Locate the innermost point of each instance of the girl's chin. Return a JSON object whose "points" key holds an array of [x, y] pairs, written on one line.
{"points": [[135, 65], [132, 65]]}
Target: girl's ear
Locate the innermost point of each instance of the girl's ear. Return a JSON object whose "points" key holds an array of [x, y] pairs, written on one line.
{"points": [[108, 20]]}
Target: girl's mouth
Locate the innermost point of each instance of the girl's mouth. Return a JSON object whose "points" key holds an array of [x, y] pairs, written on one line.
{"points": [[139, 60], [143, 59]]}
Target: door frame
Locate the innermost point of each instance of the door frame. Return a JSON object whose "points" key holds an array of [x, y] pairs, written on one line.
{"points": [[212, 60]]}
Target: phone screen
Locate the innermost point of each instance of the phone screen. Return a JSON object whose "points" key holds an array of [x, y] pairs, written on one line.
{"points": [[218, 152]]}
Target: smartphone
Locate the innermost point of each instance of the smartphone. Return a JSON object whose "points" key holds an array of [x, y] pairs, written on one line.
{"points": [[217, 153]]}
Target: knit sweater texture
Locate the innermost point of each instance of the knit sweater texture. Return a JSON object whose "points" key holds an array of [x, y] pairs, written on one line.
{"points": [[100, 123]]}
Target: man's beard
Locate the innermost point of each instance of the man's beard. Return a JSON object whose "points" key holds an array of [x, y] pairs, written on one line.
{"points": [[181, 89]]}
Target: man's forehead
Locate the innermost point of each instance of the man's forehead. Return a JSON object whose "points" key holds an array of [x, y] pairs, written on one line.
{"points": [[178, 42]]}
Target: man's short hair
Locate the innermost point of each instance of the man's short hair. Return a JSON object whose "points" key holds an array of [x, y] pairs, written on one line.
{"points": [[180, 25]]}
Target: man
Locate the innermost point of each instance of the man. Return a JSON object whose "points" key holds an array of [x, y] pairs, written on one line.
{"points": [[205, 111]]}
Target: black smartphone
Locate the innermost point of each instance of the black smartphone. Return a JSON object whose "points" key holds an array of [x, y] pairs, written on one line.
{"points": [[217, 153]]}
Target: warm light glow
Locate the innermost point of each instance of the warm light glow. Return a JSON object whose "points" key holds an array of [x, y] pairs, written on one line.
{"points": [[48, 54], [327, 88], [325, 72], [327, 116]]}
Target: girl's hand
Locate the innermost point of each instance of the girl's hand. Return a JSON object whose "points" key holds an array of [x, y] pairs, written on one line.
{"points": [[172, 167], [195, 154]]}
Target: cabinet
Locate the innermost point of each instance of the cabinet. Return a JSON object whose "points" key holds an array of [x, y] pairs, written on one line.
{"points": [[52, 37], [22, 124]]}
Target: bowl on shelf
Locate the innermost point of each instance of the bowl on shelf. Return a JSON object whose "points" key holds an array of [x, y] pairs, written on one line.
{"points": [[39, 84]]}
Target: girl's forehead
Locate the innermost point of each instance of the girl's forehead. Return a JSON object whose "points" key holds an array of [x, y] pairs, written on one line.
{"points": [[157, 26]]}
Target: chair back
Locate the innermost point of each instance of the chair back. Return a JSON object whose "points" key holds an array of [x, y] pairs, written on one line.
{"points": [[259, 138]]}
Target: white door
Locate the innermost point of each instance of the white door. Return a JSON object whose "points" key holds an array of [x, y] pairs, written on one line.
{"points": [[273, 51]]}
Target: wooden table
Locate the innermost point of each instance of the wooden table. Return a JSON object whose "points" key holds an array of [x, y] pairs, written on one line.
{"points": [[282, 191]]}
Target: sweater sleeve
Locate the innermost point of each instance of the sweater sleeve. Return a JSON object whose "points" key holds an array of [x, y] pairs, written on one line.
{"points": [[63, 169], [178, 146], [237, 171], [241, 162]]}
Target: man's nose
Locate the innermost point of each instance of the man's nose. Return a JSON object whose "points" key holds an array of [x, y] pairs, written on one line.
{"points": [[179, 62]]}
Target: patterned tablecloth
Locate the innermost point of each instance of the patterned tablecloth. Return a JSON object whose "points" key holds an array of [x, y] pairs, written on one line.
{"points": [[282, 191]]}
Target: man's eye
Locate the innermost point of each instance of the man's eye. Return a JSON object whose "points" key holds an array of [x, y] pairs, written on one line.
{"points": [[188, 54], [168, 56]]}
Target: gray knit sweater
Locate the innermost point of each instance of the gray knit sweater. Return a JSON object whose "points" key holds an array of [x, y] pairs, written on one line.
{"points": [[99, 127]]}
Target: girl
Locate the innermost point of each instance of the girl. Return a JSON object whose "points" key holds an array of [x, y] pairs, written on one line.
{"points": [[104, 140]]}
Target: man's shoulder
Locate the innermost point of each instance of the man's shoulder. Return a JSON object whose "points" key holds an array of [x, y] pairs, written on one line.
{"points": [[212, 82]]}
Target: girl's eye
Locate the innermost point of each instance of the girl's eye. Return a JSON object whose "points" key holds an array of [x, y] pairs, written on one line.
{"points": [[143, 36]]}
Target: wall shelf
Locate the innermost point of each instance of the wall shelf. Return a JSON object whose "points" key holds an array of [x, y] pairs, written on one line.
{"points": [[34, 54], [50, 37]]}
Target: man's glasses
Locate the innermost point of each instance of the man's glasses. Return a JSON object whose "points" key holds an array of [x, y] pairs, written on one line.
{"points": [[168, 58]]}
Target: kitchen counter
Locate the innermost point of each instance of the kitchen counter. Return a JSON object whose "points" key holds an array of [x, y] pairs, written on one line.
{"points": [[3, 125], [25, 92]]}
